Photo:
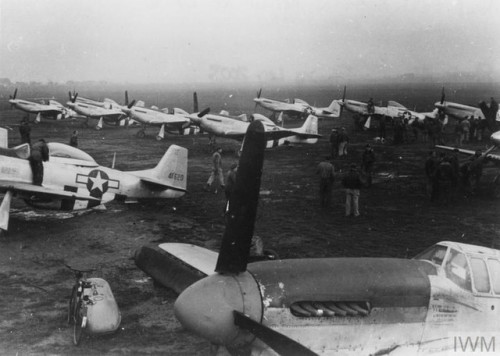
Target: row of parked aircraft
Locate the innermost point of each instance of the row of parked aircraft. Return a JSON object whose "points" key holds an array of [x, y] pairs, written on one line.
{"points": [[180, 121], [447, 295]]}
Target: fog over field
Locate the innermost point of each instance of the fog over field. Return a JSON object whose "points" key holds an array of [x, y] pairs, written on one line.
{"points": [[257, 41]]}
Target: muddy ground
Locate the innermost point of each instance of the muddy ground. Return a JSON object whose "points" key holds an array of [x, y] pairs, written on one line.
{"points": [[397, 220]]}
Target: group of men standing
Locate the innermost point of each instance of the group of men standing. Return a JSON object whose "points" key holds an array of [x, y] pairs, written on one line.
{"points": [[445, 175], [352, 181]]}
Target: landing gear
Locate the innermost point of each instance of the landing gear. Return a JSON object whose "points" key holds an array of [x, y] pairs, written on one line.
{"points": [[141, 134]]}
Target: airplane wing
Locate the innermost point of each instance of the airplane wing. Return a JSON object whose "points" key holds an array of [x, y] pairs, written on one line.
{"points": [[491, 156], [39, 190], [276, 135], [176, 265]]}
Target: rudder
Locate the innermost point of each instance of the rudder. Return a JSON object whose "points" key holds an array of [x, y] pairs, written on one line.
{"points": [[172, 168]]}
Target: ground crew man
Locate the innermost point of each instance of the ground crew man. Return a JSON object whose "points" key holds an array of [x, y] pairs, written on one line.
{"points": [[39, 154], [367, 163], [73, 141], [216, 171], [25, 131], [352, 184], [326, 178]]}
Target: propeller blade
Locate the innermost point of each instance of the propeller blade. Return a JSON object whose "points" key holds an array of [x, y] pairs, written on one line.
{"points": [[195, 102], [343, 101], [126, 97], [204, 112], [280, 343], [69, 96], [131, 104], [236, 241], [15, 94], [442, 95], [259, 93], [343, 96]]}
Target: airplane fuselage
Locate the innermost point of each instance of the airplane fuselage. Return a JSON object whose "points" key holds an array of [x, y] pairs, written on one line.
{"points": [[358, 107], [154, 117], [357, 306], [281, 106], [94, 112], [222, 126], [459, 111], [35, 108], [81, 177]]}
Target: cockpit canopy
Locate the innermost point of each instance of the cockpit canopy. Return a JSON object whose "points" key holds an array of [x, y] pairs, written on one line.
{"points": [[68, 154], [470, 267]]}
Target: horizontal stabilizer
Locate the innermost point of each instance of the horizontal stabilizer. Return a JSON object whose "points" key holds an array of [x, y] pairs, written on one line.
{"points": [[161, 185], [21, 151], [176, 265]]}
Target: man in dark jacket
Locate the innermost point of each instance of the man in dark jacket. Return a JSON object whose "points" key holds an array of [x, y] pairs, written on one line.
{"points": [[352, 184], [25, 131], [367, 163], [39, 154], [326, 179]]}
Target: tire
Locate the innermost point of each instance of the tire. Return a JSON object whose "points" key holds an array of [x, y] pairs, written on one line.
{"points": [[72, 305], [79, 323], [141, 134]]}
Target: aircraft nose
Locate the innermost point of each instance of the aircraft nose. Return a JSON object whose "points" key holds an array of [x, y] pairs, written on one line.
{"points": [[206, 307]]}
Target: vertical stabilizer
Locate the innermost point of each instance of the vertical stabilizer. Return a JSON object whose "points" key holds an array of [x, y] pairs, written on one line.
{"points": [[334, 108], [172, 168]]}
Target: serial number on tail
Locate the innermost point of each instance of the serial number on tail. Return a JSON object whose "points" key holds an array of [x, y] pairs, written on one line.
{"points": [[176, 176]]}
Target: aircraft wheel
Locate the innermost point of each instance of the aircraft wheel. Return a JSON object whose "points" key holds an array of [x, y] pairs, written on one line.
{"points": [[496, 188], [140, 134]]}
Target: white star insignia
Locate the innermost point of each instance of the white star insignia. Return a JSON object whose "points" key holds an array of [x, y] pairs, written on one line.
{"points": [[97, 182]]}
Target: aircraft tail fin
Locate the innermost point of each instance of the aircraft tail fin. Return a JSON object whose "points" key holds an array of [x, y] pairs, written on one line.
{"points": [[335, 108], [170, 172], [310, 125]]}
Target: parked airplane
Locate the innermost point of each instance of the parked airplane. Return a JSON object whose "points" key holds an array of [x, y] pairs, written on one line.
{"points": [[484, 111], [298, 107], [53, 109], [492, 181], [393, 110], [325, 306], [74, 181], [177, 122], [223, 126], [111, 115]]}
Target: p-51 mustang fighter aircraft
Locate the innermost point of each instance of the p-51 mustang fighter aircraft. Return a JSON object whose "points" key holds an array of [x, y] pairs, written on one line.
{"points": [[154, 117], [53, 109], [74, 181], [223, 126], [493, 181], [298, 107], [326, 306], [490, 112], [111, 115]]}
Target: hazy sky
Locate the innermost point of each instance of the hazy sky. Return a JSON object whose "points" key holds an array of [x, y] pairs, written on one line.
{"points": [[202, 40]]}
